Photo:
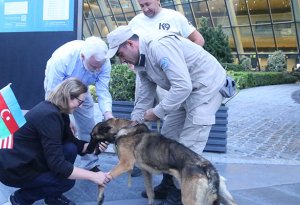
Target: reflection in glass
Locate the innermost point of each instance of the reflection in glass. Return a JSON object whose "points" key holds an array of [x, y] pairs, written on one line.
{"points": [[264, 37], [247, 40], [200, 10], [241, 12], [285, 36], [218, 12], [228, 32], [281, 10], [259, 11]]}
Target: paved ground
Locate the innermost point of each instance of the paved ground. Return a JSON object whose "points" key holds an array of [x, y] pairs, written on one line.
{"points": [[262, 163]]}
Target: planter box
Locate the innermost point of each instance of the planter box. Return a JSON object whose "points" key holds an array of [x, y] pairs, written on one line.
{"points": [[217, 139]]}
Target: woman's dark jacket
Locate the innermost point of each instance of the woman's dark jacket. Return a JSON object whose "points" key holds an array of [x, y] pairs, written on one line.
{"points": [[38, 146]]}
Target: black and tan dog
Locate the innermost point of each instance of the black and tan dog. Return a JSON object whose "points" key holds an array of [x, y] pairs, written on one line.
{"points": [[136, 144]]}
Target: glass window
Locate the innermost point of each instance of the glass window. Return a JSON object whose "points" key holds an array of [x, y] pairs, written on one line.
{"points": [[241, 12], [130, 15], [86, 31], [228, 32], [200, 10], [286, 37], [264, 38], [247, 39], [259, 11], [105, 5], [187, 12], [120, 18], [167, 3], [218, 12], [281, 10], [126, 6]]}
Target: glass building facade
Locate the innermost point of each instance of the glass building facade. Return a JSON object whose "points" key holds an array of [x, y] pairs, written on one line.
{"points": [[255, 28]]}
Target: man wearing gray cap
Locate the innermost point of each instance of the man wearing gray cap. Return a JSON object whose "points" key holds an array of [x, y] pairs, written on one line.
{"points": [[192, 76]]}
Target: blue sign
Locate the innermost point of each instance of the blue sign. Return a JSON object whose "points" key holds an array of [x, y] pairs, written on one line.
{"points": [[36, 15]]}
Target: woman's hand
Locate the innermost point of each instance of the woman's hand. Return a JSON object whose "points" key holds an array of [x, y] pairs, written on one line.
{"points": [[102, 178]]}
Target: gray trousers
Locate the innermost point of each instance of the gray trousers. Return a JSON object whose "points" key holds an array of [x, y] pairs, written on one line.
{"points": [[84, 120]]}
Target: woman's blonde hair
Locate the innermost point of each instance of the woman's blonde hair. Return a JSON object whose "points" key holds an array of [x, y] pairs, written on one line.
{"points": [[69, 89]]}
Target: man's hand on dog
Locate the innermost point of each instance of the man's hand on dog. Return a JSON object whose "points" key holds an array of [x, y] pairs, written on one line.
{"points": [[150, 116], [103, 146]]}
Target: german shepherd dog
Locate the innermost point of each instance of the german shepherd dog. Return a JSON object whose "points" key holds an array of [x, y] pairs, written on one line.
{"points": [[153, 153]]}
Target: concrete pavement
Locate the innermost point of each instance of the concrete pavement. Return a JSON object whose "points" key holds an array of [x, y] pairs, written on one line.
{"points": [[262, 163]]}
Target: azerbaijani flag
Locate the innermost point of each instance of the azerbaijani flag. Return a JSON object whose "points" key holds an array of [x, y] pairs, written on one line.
{"points": [[11, 116]]}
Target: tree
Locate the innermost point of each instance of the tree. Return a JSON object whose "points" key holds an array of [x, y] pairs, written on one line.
{"points": [[216, 42], [277, 62]]}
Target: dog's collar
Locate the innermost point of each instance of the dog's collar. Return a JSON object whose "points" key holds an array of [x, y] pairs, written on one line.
{"points": [[116, 149]]}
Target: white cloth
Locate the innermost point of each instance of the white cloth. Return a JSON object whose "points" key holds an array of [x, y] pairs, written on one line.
{"points": [[167, 20]]}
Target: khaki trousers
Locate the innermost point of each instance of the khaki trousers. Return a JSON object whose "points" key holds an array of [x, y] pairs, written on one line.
{"points": [[192, 127]]}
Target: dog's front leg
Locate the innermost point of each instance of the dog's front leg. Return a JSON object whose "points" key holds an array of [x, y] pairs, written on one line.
{"points": [[148, 186], [116, 171], [100, 195], [126, 162], [122, 167]]}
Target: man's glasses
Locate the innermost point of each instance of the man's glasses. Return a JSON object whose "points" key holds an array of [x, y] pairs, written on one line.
{"points": [[79, 101]]}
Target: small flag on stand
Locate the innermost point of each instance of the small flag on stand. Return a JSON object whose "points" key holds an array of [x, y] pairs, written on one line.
{"points": [[7, 143], [11, 117]]}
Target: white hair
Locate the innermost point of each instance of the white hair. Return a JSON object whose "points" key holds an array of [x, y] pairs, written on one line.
{"points": [[94, 46]]}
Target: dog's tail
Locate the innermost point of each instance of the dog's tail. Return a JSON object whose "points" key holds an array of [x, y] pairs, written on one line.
{"points": [[224, 195], [217, 185], [213, 177]]}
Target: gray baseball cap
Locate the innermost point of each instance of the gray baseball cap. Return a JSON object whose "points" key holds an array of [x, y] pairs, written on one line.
{"points": [[116, 38]]}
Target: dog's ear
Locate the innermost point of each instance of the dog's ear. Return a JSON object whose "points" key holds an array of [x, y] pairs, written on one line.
{"points": [[104, 129], [100, 130]]}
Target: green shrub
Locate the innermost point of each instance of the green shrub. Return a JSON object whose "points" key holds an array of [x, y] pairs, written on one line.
{"points": [[122, 84], [253, 79], [277, 62], [216, 42], [232, 67], [245, 63]]}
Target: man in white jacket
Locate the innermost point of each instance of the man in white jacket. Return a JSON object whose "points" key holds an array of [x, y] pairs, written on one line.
{"points": [[84, 60]]}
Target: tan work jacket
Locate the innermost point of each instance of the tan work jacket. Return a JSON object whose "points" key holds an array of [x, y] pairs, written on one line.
{"points": [[185, 69]]}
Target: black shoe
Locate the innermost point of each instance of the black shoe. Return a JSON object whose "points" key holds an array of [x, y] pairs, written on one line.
{"points": [[161, 191], [95, 169], [173, 198], [136, 172], [61, 200], [12, 199]]}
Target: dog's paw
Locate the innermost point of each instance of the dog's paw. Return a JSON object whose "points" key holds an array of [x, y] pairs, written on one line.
{"points": [[100, 202]]}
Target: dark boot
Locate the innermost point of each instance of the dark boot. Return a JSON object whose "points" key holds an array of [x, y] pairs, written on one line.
{"points": [[173, 198], [136, 172], [161, 190]]}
